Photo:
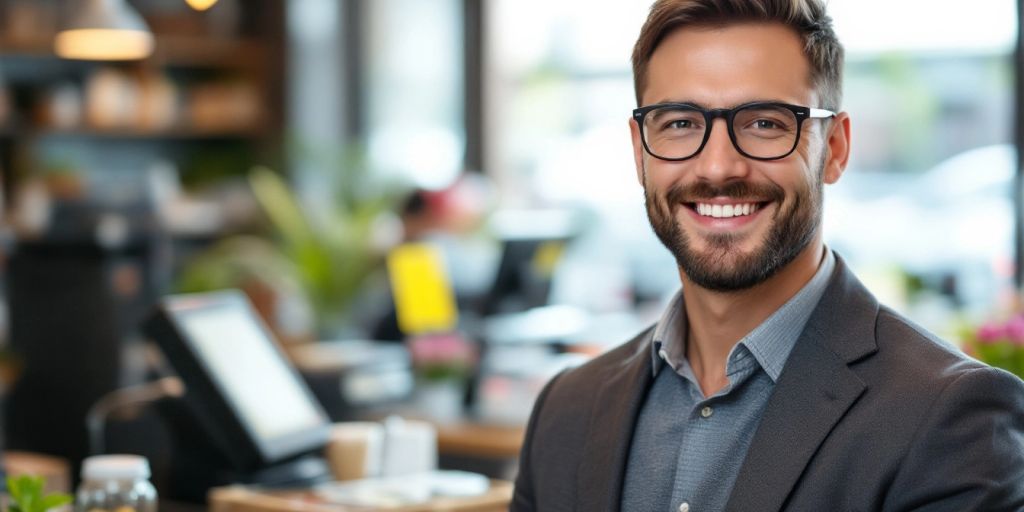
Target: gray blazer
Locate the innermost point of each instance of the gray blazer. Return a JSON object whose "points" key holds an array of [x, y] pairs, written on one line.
{"points": [[870, 413]]}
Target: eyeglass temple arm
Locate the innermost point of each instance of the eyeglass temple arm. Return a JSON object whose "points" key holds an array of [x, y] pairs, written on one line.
{"points": [[818, 113]]}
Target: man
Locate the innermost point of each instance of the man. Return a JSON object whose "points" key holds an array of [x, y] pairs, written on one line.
{"points": [[774, 380]]}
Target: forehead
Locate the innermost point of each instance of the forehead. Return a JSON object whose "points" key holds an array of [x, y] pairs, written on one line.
{"points": [[730, 65]]}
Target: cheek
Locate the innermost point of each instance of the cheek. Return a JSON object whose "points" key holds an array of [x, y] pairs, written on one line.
{"points": [[660, 175]]}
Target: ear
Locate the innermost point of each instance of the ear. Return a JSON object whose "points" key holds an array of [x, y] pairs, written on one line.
{"points": [[838, 148], [638, 150]]}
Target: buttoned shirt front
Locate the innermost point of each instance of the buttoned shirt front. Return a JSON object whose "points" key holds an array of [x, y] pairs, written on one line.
{"points": [[687, 448]]}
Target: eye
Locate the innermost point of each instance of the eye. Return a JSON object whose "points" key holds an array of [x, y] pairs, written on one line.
{"points": [[765, 124], [680, 123]]}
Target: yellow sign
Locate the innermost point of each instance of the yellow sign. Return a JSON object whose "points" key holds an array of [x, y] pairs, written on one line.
{"points": [[423, 293]]}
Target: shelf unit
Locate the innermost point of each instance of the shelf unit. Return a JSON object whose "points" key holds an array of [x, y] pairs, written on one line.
{"points": [[100, 291], [204, 65]]}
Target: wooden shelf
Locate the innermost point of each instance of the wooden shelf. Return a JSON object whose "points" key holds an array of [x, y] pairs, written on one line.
{"points": [[227, 76], [171, 51], [216, 52], [141, 134], [37, 46]]}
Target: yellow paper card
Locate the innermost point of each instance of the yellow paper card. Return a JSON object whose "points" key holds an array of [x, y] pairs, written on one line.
{"points": [[424, 300]]}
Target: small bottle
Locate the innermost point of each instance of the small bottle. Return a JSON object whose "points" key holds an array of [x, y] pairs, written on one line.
{"points": [[115, 483]]}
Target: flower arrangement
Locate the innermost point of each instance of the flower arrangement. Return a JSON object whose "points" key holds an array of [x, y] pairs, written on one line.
{"points": [[442, 356], [1000, 344]]}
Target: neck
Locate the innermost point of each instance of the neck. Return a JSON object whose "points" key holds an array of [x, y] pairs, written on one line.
{"points": [[717, 321]]}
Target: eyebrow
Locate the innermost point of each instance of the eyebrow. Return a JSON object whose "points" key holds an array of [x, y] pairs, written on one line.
{"points": [[704, 106], [681, 102]]}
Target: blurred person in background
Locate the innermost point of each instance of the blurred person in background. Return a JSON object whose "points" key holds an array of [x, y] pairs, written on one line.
{"points": [[774, 380]]}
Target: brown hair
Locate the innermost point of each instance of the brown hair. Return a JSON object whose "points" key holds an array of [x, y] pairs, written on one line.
{"points": [[806, 17]]}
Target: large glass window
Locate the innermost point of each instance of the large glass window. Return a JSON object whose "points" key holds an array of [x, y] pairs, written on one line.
{"points": [[924, 211], [414, 89]]}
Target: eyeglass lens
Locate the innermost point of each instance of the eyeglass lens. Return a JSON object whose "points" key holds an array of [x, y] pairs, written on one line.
{"points": [[676, 132]]}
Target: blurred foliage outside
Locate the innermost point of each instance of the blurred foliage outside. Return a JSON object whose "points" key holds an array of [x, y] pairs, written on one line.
{"points": [[327, 257]]}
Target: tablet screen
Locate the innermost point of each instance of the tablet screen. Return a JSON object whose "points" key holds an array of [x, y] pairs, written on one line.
{"points": [[250, 371]]}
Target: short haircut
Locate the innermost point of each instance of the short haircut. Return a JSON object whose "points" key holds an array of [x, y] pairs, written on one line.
{"points": [[806, 17]]}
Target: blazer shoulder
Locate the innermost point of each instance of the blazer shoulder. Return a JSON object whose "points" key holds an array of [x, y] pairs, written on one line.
{"points": [[632, 352], [916, 348], [570, 397]]}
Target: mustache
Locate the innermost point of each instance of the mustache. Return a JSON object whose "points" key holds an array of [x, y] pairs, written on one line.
{"points": [[694, 192]]}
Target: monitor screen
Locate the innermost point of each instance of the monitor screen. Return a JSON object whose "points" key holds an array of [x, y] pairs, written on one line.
{"points": [[237, 379]]}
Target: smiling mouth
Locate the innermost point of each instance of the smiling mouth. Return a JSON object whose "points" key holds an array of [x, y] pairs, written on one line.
{"points": [[725, 211]]}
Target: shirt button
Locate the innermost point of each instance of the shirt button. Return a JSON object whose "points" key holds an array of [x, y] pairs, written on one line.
{"points": [[684, 507], [706, 412]]}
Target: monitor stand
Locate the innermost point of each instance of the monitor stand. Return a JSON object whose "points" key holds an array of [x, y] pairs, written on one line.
{"points": [[197, 464]]}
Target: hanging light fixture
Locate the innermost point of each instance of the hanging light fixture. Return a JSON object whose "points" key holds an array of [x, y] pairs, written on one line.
{"points": [[104, 30], [200, 5]]}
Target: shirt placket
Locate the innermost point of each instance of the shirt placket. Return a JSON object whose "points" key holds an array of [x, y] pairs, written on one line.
{"points": [[740, 367]]}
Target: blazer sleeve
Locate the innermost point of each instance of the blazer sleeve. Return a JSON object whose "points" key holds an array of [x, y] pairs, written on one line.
{"points": [[969, 452], [523, 497]]}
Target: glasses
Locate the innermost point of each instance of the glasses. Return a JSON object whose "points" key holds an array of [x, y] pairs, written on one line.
{"points": [[762, 131]]}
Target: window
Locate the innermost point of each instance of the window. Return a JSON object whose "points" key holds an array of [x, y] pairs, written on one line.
{"points": [[924, 212]]}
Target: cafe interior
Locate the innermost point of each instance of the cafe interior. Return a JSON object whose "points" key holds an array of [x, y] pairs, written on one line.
{"points": [[324, 254]]}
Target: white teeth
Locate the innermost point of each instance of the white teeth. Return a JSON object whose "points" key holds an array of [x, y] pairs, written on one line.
{"points": [[719, 211]]}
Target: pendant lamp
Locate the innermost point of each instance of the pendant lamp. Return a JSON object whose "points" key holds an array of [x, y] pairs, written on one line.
{"points": [[103, 30], [200, 5]]}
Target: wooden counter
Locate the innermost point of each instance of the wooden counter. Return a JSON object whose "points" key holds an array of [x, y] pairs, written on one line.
{"points": [[55, 469], [480, 440], [242, 499]]}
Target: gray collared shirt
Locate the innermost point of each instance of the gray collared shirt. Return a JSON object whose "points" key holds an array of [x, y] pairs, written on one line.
{"points": [[688, 448]]}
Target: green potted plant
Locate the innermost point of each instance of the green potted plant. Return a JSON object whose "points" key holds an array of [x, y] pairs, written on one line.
{"points": [[329, 256], [26, 495]]}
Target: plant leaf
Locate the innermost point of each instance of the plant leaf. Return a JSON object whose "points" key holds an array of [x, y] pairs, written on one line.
{"points": [[34, 493], [14, 488], [280, 205], [53, 501], [25, 491]]}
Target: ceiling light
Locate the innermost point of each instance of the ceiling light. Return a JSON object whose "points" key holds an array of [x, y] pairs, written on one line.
{"points": [[200, 5], [104, 30]]}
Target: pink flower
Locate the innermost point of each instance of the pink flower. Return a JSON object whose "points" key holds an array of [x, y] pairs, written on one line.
{"points": [[991, 333], [1015, 330], [442, 355]]}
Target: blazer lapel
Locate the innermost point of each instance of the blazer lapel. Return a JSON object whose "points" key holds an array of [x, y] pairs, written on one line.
{"points": [[815, 390], [616, 405]]}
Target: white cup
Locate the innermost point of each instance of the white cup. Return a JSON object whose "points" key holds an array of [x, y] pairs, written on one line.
{"points": [[410, 446]]}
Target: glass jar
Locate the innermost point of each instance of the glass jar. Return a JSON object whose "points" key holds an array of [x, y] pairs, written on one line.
{"points": [[115, 483]]}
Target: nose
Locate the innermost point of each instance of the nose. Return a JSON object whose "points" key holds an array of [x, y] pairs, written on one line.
{"points": [[719, 161]]}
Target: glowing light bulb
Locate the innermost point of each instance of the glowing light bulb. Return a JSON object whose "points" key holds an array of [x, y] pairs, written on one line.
{"points": [[200, 5]]}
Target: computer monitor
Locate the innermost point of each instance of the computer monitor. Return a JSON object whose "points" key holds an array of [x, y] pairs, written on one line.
{"points": [[533, 242], [239, 384]]}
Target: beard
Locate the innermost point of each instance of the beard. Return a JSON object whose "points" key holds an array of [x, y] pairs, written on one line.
{"points": [[722, 266]]}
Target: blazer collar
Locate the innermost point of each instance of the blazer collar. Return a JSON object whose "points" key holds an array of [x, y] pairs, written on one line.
{"points": [[815, 390]]}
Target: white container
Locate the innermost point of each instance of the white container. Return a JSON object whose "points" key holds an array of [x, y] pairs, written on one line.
{"points": [[115, 483]]}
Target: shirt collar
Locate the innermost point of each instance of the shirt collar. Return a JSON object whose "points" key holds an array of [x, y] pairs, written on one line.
{"points": [[770, 342]]}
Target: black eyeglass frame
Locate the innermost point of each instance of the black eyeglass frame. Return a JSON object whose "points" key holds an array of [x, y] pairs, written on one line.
{"points": [[802, 113]]}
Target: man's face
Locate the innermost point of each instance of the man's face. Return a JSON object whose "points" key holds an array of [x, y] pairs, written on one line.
{"points": [[723, 68]]}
